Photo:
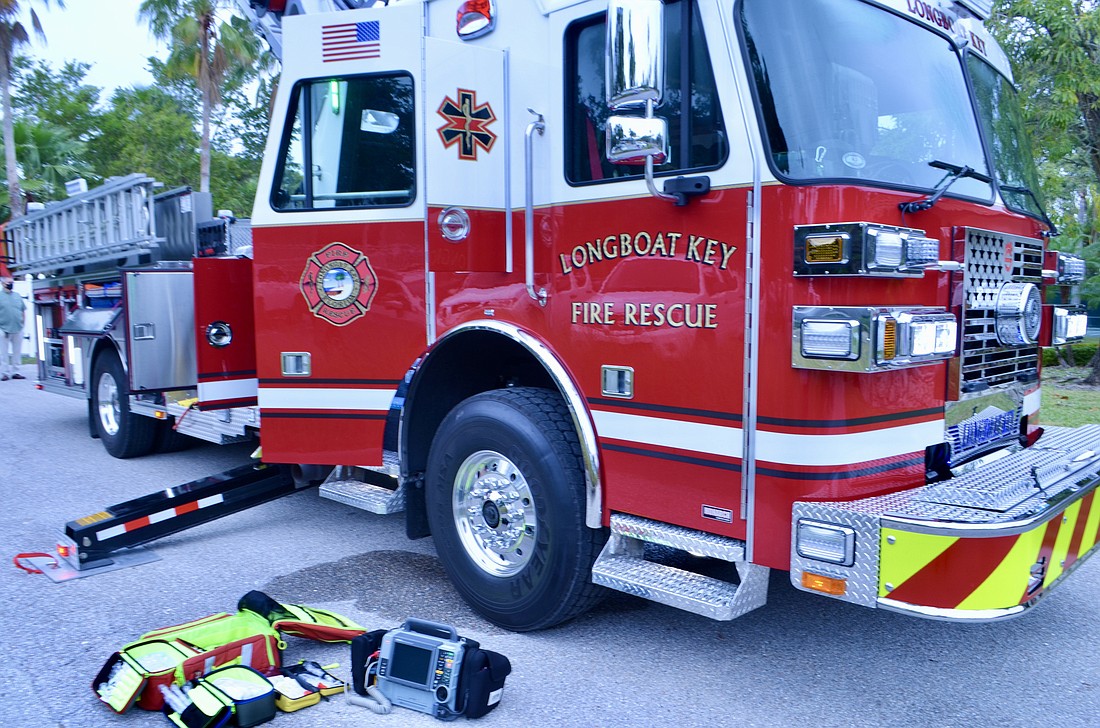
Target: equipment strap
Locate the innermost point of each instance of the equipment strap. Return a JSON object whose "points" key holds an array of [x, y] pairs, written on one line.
{"points": [[29, 567]]}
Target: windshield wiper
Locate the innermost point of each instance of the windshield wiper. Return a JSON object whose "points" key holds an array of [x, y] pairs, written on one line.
{"points": [[1021, 190], [955, 172]]}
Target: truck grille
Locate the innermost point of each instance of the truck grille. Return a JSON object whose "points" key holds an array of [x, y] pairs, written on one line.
{"points": [[991, 260]]}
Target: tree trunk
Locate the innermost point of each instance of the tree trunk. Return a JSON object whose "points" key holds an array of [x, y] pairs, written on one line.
{"points": [[206, 87], [14, 191], [1094, 376], [204, 149], [1065, 355]]}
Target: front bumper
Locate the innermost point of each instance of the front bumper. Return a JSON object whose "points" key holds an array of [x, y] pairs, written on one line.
{"points": [[983, 546]]}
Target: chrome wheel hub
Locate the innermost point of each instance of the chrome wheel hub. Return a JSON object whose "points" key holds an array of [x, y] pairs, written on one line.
{"points": [[109, 411], [494, 513]]}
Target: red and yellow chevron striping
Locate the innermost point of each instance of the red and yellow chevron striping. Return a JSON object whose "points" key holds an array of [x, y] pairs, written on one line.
{"points": [[972, 572]]}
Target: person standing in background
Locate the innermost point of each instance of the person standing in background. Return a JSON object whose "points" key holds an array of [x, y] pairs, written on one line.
{"points": [[12, 312]]}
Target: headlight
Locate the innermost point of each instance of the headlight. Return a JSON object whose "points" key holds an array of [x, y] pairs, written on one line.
{"points": [[830, 339], [929, 335], [1069, 325], [825, 542]]}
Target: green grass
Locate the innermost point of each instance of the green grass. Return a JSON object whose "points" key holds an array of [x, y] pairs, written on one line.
{"points": [[1066, 400], [1069, 407]]}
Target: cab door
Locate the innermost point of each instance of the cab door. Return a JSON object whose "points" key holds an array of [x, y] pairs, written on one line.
{"points": [[338, 228]]}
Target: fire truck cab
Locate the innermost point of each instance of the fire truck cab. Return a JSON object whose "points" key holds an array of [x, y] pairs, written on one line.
{"points": [[757, 281]]}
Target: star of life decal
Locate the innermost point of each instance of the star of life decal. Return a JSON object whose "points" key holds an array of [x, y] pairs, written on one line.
{"points": [[467, 124]]}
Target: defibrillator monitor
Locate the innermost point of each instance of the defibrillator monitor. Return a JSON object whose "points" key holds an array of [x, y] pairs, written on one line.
{"points": [[418, 666]]}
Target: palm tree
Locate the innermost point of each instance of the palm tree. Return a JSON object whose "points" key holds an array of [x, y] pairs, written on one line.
{"points": [[204, 48], [12, 35], [48, 158]]}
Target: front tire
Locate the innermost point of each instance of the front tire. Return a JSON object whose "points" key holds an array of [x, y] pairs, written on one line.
{"points": [[505, 499], [123, 434]]}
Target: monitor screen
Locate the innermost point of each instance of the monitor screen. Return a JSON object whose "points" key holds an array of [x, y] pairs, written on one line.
{"points": [[410, 663]]}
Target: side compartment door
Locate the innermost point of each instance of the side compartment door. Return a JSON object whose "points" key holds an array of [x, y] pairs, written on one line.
{"points": [[225, 333], [160, 311], [466, 158]]}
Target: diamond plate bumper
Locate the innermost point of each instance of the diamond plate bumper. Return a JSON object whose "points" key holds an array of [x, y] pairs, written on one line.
{"points": [[985, 545]]}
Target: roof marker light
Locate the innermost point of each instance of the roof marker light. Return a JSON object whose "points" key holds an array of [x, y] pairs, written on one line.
{"points": [[476, 18]]}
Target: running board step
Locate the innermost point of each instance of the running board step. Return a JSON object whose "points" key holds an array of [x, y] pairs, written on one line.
{"points": [[622, 566], [347, 485]]}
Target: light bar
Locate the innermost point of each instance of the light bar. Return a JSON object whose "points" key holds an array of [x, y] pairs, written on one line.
{"points": [[863, 249], [869, 339]]}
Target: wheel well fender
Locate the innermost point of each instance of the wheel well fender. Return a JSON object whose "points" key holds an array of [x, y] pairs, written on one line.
{"points": [[478, 357]]}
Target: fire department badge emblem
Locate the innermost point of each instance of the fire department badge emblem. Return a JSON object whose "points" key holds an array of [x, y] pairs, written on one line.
{"points": [[467, 124], [338, 284]]}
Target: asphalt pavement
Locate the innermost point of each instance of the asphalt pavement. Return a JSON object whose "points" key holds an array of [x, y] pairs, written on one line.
{"points": [[800, 660]]}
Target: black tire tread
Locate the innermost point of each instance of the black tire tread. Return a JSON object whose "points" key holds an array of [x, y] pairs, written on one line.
{"points": [[137, 434], [546, 410]]}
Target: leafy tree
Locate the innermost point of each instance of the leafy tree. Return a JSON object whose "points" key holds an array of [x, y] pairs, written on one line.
{"points": [[61, 97], [203, 47], [13, 33], [1054, 46], [146, 130]]}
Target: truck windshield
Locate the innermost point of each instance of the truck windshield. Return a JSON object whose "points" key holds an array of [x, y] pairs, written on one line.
{"points": [[852, 92], [1003, 123]]}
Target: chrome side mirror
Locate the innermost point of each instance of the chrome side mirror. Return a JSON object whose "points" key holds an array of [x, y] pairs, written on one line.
{"points": [[633, 140], [635, 76]]}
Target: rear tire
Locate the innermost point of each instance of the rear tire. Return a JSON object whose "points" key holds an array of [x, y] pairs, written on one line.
{"points": [[506, 501], [170, 440], [123, 434]]}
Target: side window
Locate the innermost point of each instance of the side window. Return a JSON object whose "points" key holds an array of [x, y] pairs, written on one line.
{"points": [[356, 137], [697, 136]]}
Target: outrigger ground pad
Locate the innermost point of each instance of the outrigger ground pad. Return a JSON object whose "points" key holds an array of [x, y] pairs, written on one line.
{"points": [[58, 570]]}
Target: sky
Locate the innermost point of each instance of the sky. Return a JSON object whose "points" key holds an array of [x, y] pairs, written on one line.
{"points": [[103, 33]]}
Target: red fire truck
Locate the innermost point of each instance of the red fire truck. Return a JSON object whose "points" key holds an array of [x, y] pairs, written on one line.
{"points": [[596, 291]]}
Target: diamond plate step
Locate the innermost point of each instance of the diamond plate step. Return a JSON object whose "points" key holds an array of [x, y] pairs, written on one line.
{"points": [[694, 542], [342, 487], [622, 566]]}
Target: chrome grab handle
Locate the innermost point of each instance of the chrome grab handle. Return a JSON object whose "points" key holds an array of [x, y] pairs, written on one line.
{"points": [[536, 126]]}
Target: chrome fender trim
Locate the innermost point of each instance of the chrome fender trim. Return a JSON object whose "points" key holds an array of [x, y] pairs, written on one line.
{"points": [[578, 409]]}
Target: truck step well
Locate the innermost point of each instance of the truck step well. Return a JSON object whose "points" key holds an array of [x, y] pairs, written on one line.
{"points": [[622, 566], [365, 488]]}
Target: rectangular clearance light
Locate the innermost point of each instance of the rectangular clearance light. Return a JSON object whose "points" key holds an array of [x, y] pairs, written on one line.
{"points": [[826, 248], [830, 339], [826, 542]]}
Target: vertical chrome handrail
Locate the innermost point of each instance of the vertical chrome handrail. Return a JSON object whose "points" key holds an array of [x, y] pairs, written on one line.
{"points": [[537, 126]]}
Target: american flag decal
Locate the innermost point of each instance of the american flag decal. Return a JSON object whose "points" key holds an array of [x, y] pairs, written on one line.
{"points": [[351, 41]]}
